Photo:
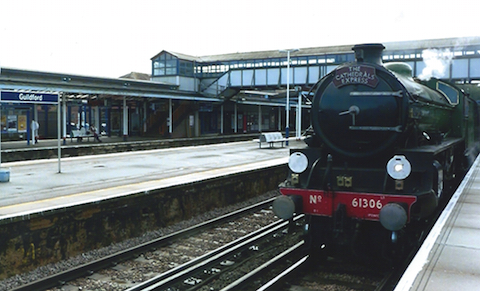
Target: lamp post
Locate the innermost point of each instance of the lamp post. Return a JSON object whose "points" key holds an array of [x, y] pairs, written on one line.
{"points": [[287, 106]]}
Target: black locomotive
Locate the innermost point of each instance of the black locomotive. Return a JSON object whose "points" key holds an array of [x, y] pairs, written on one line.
{"points": [[383, 148]]}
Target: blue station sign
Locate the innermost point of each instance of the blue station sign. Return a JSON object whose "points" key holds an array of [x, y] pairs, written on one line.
{"points": [[28, 97]]}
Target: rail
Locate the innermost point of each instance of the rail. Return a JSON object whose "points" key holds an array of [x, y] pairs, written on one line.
{"points": [[108, 261], [187, 274], [273, 263]]}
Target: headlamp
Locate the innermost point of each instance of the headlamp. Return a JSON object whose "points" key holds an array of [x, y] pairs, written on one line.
{"points": [[399, 167], [298, 162]]}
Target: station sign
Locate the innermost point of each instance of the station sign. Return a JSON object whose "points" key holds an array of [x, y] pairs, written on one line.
{"points": [[28, 97]]}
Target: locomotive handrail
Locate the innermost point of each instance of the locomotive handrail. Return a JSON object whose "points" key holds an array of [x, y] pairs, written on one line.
{"points": [[379, 93], [397, 128]]}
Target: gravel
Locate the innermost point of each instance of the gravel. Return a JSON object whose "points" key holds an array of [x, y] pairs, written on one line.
{"points": [[86, 257]]}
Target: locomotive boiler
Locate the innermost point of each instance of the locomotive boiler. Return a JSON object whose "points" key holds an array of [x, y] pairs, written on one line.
{"points": [[382, 150]]}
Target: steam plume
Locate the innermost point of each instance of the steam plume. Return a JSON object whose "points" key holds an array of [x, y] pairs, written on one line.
{"points": [[437, 63]]}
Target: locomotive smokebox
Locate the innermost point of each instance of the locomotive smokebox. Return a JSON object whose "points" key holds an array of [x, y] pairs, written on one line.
{"points": [[369, 53], [360, 109]]}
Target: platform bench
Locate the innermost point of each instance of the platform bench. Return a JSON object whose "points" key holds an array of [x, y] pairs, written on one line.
{"points": [[80, 134], [271, 138]]}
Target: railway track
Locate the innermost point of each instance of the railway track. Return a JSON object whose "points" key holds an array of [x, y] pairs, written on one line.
{"points": [[272, 273], [249, 264], [233, 265], [138, 252], [336, 274]]}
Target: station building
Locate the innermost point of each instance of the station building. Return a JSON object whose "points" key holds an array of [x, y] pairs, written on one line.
{"points": [[188, 96]]}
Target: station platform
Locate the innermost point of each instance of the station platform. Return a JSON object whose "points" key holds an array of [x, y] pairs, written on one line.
{"points": [[449, 258], [23, 150], [37, 186]]}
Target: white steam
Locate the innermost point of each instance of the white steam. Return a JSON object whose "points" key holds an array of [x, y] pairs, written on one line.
{"points": [[437, 62]]}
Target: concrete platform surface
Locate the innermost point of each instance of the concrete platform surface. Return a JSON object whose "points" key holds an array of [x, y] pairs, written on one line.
{"points": [[449, 259], [97, 177]]}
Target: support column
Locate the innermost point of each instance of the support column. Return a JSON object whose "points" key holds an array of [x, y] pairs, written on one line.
{"points": [[259, 118], [279, 118], [221, 119], [197, 124], [35, 117], [125, 119], [59, 134], [170, 117], [64, 114], [1, 134], [235, 122], [299, 115], [144, 116], [96, 112]]}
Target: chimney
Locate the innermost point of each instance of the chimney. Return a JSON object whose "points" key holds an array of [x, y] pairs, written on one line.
{"points": [[369, 53]]}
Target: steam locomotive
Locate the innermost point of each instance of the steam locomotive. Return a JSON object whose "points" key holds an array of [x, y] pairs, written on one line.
{"points": [[383, 148]]}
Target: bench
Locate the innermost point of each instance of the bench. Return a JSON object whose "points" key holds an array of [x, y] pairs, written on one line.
{"points": [[80, 134], [271, 138]]}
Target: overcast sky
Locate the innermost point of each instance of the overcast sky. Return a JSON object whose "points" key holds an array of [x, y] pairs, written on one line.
{"points": [[110, 38]]}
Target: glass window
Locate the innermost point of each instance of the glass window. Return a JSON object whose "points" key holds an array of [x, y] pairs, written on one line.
{"points": [[233, 65], [185, 68], [330, 59], [159, 64], [170, 66], [474, 68], [171, 71], [419, 67], [330, 69], [341, 58], [171, 63], [460, 68], [198, 70], [449, 91], [165, 64]]}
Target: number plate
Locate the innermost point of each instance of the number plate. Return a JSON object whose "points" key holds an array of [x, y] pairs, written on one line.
{"points": [[358, 205]]}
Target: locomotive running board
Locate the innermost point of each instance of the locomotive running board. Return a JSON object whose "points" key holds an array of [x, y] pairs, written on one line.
{"points": [[435, 149]]}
